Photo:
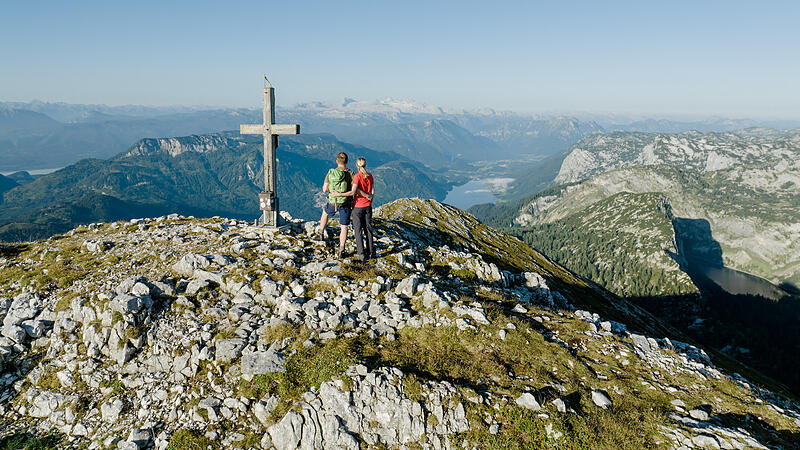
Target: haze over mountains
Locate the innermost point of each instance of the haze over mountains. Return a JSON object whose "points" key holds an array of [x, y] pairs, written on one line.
{"points": [[39, 135]]}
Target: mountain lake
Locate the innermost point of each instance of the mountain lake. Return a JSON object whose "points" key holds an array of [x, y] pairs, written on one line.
{"points": [[476, 192], [738, 283]]}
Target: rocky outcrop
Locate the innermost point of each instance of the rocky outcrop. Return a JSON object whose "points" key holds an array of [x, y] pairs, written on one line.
{"points": [[222, 332]]}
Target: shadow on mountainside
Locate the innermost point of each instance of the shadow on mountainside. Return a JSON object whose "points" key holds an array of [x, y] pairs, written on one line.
{"points": [[695, 240], [756, 330], [760, 429]]}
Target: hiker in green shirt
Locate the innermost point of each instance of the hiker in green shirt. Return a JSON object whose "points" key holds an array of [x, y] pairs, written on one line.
{"points": [[338, 180]]}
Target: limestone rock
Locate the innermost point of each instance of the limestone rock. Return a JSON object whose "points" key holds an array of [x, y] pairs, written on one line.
{"points": [[600, 399], [258, 363], [527, 400], [228, 350], [111, 410]]}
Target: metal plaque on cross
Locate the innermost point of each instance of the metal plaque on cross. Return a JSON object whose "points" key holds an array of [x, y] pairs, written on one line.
{"points": [[268, 200]]}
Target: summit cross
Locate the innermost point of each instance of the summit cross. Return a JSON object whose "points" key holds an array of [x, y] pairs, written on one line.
{"points": [[268, 200]]}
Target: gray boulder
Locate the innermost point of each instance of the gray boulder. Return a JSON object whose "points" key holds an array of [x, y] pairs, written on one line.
{"points": [[44, 404], [286, 434], [186, 265], [706, 441], [698, 414], [407, 286], [258, 363], [527, 400], [15, 333], [35, 328], [111, 410], [640, 342], [127, 304], [228, 350], [600, 399]]}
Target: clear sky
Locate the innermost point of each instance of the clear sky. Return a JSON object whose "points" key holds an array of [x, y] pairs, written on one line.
{"points": [[693, 57]]}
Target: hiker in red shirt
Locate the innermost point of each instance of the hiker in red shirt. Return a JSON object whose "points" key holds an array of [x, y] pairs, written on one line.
{"points": [[363, 191]]}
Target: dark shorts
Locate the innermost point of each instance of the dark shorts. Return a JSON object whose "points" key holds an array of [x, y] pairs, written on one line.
{"points": [[344, 213]]}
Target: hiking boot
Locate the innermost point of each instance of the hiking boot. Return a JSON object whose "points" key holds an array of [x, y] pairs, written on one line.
{"points": [[340, 253]]}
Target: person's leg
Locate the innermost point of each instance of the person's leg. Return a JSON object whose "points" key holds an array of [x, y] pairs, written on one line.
{"points": [[342, 237], [368, 232], [323, 222], [358, 227], [344, 221]]}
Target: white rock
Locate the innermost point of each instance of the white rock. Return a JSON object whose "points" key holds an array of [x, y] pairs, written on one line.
{"points": [[601, 399], [111, 410], [527, 400]]}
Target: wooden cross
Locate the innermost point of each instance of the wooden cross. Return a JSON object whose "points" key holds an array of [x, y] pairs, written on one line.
{"points": [[268, 199]]}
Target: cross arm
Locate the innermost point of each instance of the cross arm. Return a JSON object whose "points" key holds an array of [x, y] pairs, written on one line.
{"points": [[285, 129], [252, 129], [274, 129]]}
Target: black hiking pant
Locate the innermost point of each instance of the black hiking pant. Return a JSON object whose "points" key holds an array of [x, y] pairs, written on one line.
{"points": [[362, 223]]}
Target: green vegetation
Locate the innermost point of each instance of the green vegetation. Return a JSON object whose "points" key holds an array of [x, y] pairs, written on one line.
{"points": [[148, 182], [30, 441], [285, 274], [307, 368], [190, 440], [620, 243]]}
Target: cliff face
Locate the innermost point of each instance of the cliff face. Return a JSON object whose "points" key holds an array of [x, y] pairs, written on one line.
{"points": [[175, 146], [177, 332], [690, 151]]}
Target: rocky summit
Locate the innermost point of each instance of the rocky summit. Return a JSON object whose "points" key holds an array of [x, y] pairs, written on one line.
{"points": [[177, 332]]}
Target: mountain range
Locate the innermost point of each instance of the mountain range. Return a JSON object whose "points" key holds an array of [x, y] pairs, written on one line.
{"points": [[680, 223], [40, 135], [746, 185], [205, 175]]}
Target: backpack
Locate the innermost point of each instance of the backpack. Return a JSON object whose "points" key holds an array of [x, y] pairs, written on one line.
{"points": [[339, 181]]}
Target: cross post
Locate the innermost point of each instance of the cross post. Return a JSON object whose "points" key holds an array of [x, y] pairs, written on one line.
{"points": [[268, 200]]}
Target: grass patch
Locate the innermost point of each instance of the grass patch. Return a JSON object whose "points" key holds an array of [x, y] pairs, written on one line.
{"points": [[29, 441], [49, 382], [227, 333], [190, 440], [390, 268], [116, 386], [135, 331], [65, 300], [412, 387], [286, 274], [56, 269], [309, 367], [318, 287], [251, 440], [464, 274], [358, 271]]}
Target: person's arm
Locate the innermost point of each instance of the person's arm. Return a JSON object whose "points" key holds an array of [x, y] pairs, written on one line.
{"points": [[368, 195], [371, 190]]}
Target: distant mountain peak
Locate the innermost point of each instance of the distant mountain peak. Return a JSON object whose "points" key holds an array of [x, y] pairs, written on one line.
{"points": [[176, 146]]}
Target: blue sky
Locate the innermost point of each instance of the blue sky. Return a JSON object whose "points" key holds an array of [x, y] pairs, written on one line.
{"points": [[701, 57]]}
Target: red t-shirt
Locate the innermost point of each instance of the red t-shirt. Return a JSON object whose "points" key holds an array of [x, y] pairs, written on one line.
{"points": [[364, 182]]}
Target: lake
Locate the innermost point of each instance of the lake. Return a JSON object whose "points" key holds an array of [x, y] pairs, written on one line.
{"points": [[475, 192], [33, 172], [738, 283]]}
